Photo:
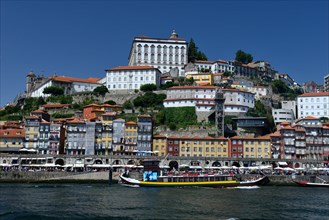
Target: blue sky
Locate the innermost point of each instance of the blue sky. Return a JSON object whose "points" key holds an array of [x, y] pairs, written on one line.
{"points": [[83, 38]]}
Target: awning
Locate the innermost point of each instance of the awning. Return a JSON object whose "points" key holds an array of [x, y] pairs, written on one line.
{"points": [[79, 165], [99, 165], [282, 163], [5, 165], [195, 167], [183, 165]]}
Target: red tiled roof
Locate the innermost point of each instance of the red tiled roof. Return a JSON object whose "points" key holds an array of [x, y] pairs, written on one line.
{"points": [[314, 94], [72, 79], [131, 68], [204, 61], [160, 136], [275, 134], [310, 118], [131, 123], [91, 105], [192, 87], [236, 90], [75, 121], [31, 117], [55, 105], [221, 61], [189, 99], [12, 133], [204, 104], [38, 111]]}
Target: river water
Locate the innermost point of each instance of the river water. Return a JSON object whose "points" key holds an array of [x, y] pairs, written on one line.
{"points": [[101, 201]]}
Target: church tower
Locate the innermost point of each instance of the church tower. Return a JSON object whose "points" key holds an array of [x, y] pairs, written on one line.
{"points": [[30, 79]]}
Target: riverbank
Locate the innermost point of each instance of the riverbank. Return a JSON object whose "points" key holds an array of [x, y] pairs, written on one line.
{"points": [[103, 177]]}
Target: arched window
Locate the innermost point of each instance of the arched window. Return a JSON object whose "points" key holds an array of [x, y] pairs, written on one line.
{"points": [[139, 48], [152, 49]]}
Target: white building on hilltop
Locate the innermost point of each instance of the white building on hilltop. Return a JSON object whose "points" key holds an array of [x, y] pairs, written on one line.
{"points": [[131, 77], [164, 54], [314, 104], [71, 85]]}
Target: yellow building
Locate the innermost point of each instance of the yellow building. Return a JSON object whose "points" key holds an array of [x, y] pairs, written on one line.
{"points": [[11, 139], [32, 124], [259, 147], [202, 78], [203, 147], [130, 137], [160, 145], [107, 121]]}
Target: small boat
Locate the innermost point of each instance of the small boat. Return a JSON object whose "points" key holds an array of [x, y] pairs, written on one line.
{"points": [[310, 184], [152, 177]]}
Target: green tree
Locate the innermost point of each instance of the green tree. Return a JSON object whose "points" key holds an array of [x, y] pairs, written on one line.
{"points": [[201, 56], [101, 90], [30, 104], [243, 57], [148, 87], [194, 53], [167, 85], [189, 81], [127, 105], [279, 87], [149, 99], [53, 90], [110, 102]]}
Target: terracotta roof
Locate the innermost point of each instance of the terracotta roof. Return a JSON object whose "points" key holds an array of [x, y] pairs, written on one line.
{"points": [[195, 99], [314, 94], [204, 104], [160, 136], [131, 123], [221, 61], [204, 61], [218, 74], [192, 87], [98, 110], [131, 68], [196, 138], [91, 105], [38, 111], [152, 38], [32, 117], [72, 79], [310, 118], [76, 121], [55, 105], [236, 90], [275, 134], [235, 105], [12, 133]]}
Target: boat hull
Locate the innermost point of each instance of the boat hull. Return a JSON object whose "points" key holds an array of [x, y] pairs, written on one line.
{"points": [[308, 184], [215, 184]]}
